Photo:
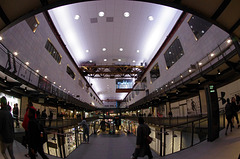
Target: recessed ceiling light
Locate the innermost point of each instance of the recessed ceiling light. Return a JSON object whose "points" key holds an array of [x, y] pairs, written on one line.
{"points": [[15, 53], [119, 60], [101, 14], [126, 14], [105, 60], [150, 18], [199, 63], [104, 49], [90, 61], [134, 61], [202, 31], [60, 86], [1, 38], [76, 17], [212, 54], [54, 82], [228, 41], [138, 51], [27, 63], [37, 71], [87, 50], [121, 49], [170, 53], [45, 77]]}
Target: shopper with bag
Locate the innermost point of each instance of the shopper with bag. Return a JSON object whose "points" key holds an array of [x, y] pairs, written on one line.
{"points": [[143, 140]]}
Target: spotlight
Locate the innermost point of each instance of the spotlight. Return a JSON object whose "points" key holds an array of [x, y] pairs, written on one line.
{"points": [[5, 79], [25, 89], [219, 72], [199, 82]]}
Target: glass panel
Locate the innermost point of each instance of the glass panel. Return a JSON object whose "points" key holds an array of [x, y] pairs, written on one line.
{"points": [[186, 136], [169, 141], [177, 141]]}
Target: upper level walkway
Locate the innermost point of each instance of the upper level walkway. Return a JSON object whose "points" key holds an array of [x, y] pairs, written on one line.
{"points": [[122, 146]]}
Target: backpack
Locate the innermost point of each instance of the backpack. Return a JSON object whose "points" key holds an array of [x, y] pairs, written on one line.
{"points": [[42, 133]]}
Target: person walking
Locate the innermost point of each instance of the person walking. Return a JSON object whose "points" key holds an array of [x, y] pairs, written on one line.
{"points": [[6, 129], [85, 131], [34, 136], [142, 147], [25, 125], [50, 117], [229, 115], [235, 110], [15, 114], [44, 117]]}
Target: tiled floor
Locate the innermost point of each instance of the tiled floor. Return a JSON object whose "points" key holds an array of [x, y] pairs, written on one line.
{"points": [[121, 147]]}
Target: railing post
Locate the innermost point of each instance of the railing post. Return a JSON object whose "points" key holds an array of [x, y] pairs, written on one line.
{"points": [[164, 142], [161, 131], [192, 133]]}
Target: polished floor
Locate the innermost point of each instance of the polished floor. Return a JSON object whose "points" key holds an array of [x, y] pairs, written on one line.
{"points": [[121, 147]]}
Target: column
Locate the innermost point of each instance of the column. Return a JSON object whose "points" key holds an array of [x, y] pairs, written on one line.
{"points": [[24, 104], [203, 101], [213, 112]]}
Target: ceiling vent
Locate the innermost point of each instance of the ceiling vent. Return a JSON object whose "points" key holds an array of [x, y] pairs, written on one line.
{"points": [[93, 20], [109, 19]]}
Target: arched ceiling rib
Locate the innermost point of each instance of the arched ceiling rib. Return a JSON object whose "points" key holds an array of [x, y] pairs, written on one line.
{"points": [[223, 13]]}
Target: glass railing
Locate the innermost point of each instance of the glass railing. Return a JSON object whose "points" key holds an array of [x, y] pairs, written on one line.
{"points": [[174, 134], [63, 141], [10, 62]]}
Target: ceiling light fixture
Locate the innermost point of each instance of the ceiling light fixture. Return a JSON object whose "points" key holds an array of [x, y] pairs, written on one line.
{"points": [[87, 50], [199, 63], [15, 53], [25, 89], [1, 38], [45, 77], [150, 18], [5, 79], [104, 49], [90, 61], [101, 14], [189, 70], [126, 14], [76, 17], [219, 72], [105, 60], [199, 82], [37, 71], [27, 63], [60, 86], [54, 82], [121, 49], [212, 54], [138, 51], [229, 41], [134, 61], [119, 60]]}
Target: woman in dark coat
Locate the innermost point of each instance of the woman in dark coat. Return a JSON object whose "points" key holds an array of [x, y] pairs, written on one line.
{"points": [[142, 147], [229, 115]]}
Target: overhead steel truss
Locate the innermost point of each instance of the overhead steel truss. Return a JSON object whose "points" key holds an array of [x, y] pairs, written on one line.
{"points": [[112, 71]]}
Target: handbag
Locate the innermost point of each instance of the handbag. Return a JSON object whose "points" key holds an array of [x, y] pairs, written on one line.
{"points": [[149, 140]]}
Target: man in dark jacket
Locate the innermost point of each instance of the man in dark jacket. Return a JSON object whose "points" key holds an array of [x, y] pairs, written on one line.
{"points": [[6, 129], [34, 136], [142, 147]]}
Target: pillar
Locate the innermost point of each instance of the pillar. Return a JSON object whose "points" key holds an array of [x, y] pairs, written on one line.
{"points": [[213, 112], [24, 104], [203, 101]]}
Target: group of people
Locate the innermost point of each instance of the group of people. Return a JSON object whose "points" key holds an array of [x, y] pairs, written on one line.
{"points": [[33, 134], [231, 109], [43, 117]]}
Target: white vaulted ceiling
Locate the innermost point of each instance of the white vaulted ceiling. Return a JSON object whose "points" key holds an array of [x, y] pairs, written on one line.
{"points": [[85, 34]]}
